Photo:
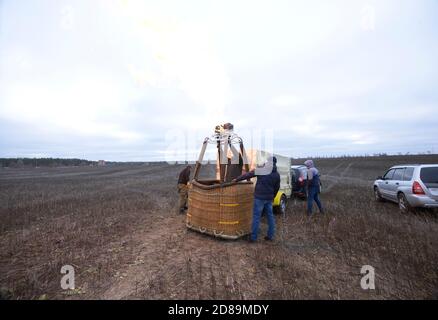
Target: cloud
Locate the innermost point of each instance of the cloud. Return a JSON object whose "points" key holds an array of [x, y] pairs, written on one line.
{"points": [[80, 106], [116, 77], [287, 100], [180, 55]]}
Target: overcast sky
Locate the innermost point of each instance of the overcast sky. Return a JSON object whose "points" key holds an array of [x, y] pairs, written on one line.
{"points": [[129, 80]]}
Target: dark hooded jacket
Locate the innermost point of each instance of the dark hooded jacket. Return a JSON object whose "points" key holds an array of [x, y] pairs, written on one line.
{"points": [[267, 185], [184, 176], [315, 181]]}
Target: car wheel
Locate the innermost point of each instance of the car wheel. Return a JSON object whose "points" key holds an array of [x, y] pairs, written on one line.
{"points": [[377, 195], [281, 209], [403, 203]]}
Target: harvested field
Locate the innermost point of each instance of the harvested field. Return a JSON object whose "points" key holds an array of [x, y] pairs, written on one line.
{"points": [[117, 225]]}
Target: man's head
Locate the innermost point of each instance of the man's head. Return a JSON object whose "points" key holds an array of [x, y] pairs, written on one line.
{"points": [[272, 160], [189, 167], [309, 163], [266, 168]]}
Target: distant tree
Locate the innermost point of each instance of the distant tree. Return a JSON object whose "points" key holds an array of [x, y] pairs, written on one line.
{"points": [[42, 162]]}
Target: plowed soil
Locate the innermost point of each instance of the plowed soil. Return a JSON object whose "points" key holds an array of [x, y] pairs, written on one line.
{"points": [[118, 227]]}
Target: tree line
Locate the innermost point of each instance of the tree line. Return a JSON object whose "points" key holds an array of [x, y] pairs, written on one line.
{"points": [[43, 162]]}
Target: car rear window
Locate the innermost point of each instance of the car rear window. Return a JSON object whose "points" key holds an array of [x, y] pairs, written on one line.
{"points": [[398, 174], [429, 175], [409, 172]]}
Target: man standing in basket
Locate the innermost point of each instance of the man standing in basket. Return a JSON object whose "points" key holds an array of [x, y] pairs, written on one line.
{"points": [[183, 180], [267, 186]]}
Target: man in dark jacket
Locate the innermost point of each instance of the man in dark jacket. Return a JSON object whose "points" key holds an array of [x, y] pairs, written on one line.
{"points": [[267, 186], [183, 180], [313, 187]]}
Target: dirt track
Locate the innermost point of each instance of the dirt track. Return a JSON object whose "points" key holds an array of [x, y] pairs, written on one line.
{"points": [[118, 227]]}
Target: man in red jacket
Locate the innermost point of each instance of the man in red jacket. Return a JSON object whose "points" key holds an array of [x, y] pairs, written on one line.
{"points": [[183, 179]]}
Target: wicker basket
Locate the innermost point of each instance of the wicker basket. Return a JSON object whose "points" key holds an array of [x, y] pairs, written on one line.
{"points": [[222, 210]]}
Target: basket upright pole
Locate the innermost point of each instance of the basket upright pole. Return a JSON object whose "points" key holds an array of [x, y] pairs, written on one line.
{"points": [[245, 158], [201, 156], [219, 155]]}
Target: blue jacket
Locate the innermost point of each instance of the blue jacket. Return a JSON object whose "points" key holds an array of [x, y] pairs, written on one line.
{"points": [[267, 185]]}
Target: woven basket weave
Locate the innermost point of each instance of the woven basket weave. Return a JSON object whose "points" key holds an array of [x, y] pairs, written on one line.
{"points": [[222, 210]]}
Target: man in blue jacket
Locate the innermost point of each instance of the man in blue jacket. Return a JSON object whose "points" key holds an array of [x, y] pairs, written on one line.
{"points": [[313, 187], [267, 186]]}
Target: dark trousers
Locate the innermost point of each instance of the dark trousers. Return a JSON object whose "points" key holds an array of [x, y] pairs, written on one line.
{"points": [[313, 195]]}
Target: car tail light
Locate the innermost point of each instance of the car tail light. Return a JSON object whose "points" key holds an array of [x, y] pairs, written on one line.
{"points": [[416, 188]]}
